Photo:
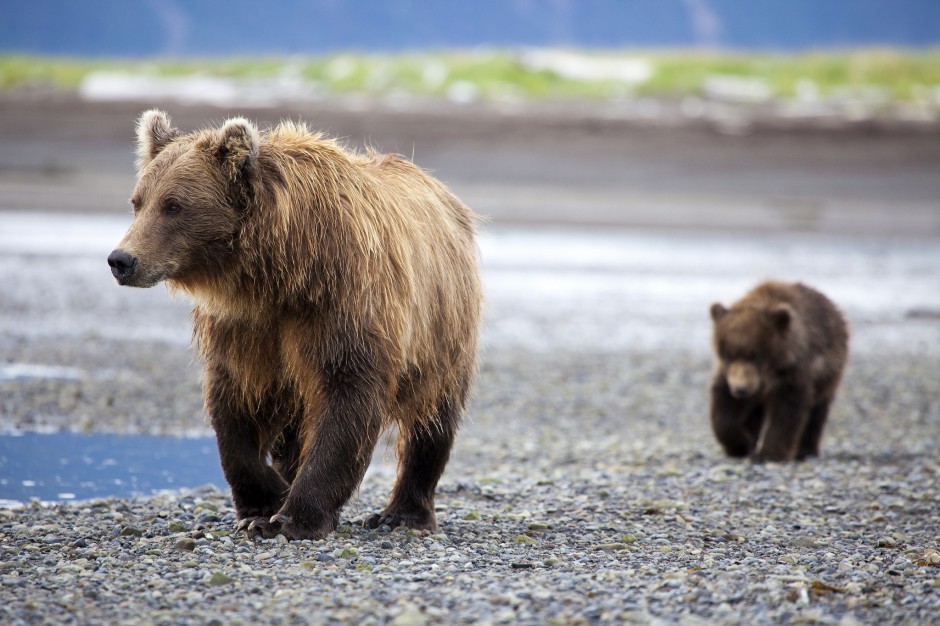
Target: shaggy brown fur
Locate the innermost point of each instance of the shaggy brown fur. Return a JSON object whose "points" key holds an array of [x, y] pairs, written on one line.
{"points": [[781, 351], [336, 293]]}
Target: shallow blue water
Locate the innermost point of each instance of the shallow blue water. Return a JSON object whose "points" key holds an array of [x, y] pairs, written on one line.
{"points": [[69, 466]]}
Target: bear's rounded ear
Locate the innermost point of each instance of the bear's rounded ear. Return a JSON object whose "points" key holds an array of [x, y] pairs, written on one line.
{"points": [[718, 311], [154, 132], [780, 316], [237, 149]]}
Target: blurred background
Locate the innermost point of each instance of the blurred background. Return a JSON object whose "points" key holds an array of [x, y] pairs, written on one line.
{"points": [[239, 27], [636, 160], [793, 115]]}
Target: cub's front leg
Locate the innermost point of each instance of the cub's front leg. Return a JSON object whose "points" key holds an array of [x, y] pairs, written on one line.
{"points": [[784, 424], [731, 420]]}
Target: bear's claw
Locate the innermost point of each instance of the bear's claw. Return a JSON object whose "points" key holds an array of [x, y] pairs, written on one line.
{"points": [[278, 524], [258, 526], [394, 520], [269, 528], [245, 523]]}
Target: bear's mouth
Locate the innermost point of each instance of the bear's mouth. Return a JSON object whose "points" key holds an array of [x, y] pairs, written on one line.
{"points": [[142, 279], [741, 392], [136, 281]]}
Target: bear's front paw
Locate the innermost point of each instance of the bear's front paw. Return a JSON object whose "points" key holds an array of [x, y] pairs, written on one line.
{"points": [[260, 527], [245, 523], [418, 520], [280, 524]]}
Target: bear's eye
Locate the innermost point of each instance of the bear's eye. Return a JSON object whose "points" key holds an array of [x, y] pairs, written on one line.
{"points": [[172, 207]]}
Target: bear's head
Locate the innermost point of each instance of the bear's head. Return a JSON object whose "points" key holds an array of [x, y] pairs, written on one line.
{"points": [[191, 193], [753, 344]]}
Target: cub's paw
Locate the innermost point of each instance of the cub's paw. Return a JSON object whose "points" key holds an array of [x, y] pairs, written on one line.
{"points": [[759, 458], [420, 519]]}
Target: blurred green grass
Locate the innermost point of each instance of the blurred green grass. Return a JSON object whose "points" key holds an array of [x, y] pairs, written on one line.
{"points": [[900, 75]]}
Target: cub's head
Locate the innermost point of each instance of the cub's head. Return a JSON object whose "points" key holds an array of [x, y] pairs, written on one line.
{"points": [[191, 191], [753, 344]]}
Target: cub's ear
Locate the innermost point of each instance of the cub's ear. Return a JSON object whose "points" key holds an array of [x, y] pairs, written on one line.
{"points": [[718, 311], [780, 316], [237, 149], [154, 132]]}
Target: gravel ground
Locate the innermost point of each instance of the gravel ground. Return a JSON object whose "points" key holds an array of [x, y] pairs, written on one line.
{"points": [[584, 488]]}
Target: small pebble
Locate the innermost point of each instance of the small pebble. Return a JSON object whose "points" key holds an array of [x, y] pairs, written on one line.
{"points": [[185, 545]]}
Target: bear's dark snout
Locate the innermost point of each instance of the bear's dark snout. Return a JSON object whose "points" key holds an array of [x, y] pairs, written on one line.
{"points": [[742, 391], [122, 265]]}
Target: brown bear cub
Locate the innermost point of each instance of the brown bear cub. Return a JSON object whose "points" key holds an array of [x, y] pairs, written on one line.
{"points": [[335, 294], [781, 351]]}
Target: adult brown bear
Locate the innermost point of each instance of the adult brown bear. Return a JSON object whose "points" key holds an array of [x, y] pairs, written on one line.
{"points": [[781, 351], [335, 293]]}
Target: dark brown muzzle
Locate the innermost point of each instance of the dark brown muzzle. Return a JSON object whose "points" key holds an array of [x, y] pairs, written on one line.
{"points": [[122, 265]]}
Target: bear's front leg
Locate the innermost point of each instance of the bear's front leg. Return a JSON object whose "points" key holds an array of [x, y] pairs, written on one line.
{"points": [[341, 433], [331, 469], [730, 420], [784, 424], [257, 489]]}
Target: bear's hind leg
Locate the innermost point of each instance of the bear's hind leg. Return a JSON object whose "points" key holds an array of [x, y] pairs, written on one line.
{"points": [[423, 453], [285, 455], [809, 444]]}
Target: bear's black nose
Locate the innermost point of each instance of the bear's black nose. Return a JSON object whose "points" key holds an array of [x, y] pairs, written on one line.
{"points": [[122, 265], [741, 391]]}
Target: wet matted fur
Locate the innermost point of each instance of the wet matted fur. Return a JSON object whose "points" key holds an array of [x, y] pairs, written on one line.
{"points": [[336, 293]]}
